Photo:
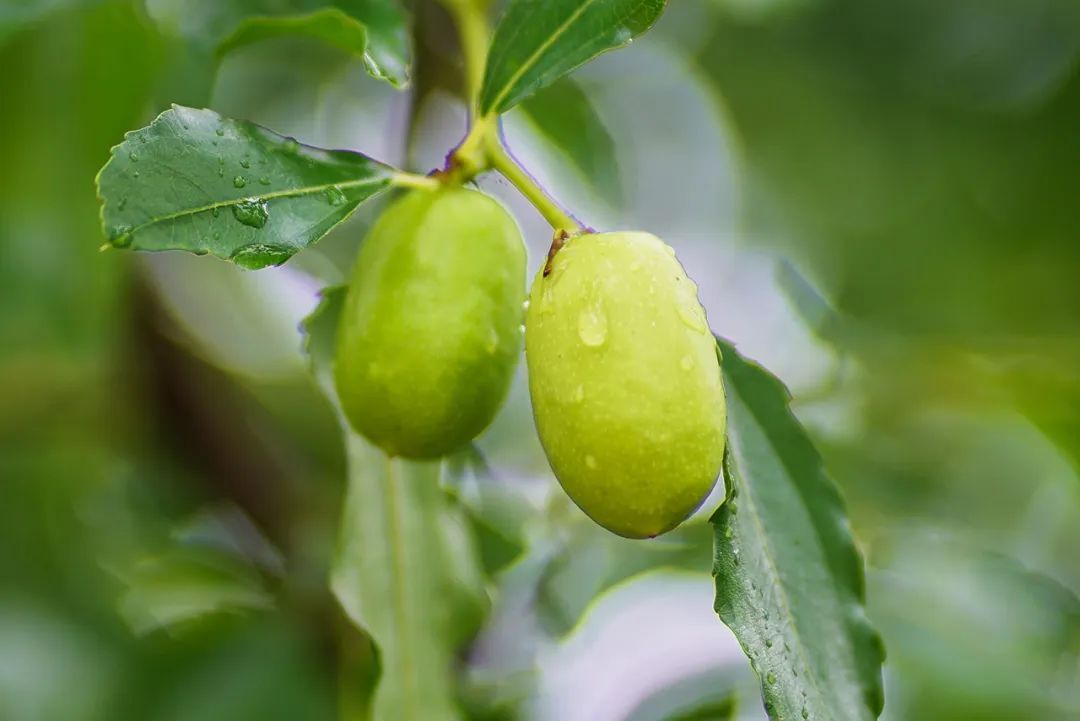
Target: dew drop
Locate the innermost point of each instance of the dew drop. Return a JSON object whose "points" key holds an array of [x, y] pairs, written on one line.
{"points": [[768, 643], [135, 174], [592, 327], [590, 461], [120, 236], [134, 156], [245, 163], [252, 212], [686, 363], [215, 211], [239, 181], [121, 204], [805, 712], [220, 132], [261, 255], [221, 172], [578, 395], [264, 180], [334, 195], [689, 311], [492, 342], [728, 533], [770, 678], [217, 235]]}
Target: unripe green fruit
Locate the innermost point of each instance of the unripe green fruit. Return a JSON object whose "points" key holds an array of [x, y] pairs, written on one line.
{"points": [[431, 330], [625, 382]]}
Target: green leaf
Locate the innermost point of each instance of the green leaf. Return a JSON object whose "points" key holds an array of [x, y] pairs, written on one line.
{"points": [[16, 15], [498, 516], [195, 181], [185, 584], [539, 41], [406, 570], [789, 579], [374, 30], [721, 710], [563, 114]]}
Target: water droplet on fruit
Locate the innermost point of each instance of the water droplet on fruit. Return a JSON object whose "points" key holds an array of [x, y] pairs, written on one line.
{"points": [[592, 327], [239, 181], [686, 363], [252, 212], [590, 461], [261, 255], [689, 310], [578, 395], [334, 195]]}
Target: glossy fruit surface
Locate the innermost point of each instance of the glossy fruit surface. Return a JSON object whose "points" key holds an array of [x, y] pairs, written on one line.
{"points": [[431, 330], [625, 382]]}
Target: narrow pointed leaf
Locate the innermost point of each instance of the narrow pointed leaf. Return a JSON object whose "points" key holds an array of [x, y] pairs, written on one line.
{"points": [[195, 181], [789, 579], [539, 41], [563, 114], [406, 570]]}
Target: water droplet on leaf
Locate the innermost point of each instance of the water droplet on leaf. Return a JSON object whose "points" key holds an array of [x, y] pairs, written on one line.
{"points": [[120, 236], [245, 163], [239, 181], [252, 212], [261, 255], [334, 195]]}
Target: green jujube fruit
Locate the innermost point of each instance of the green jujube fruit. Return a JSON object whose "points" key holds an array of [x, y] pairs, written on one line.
{"points": [[431, 330], [625, 382]]}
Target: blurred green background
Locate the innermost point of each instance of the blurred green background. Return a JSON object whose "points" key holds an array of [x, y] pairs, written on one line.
{"points": [[878, 199]]}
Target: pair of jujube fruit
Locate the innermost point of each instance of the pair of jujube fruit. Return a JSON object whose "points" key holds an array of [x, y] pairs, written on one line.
{"points": [[623, 371]]}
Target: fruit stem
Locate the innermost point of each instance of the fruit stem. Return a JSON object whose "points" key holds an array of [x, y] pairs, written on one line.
{"points": [[501, 160], [483, 149], [402, 179]]}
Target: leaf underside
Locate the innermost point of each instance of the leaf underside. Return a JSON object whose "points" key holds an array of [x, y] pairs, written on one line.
{"points": [[539, 41], [789, 579], [195, 181], [406, 569]]}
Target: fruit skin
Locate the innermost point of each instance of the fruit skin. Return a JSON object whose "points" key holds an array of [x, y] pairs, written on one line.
{"points": [[431, 330], [625, 382]]}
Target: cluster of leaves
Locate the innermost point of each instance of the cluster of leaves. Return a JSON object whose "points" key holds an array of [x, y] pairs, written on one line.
{"points": [[788, 577]]}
